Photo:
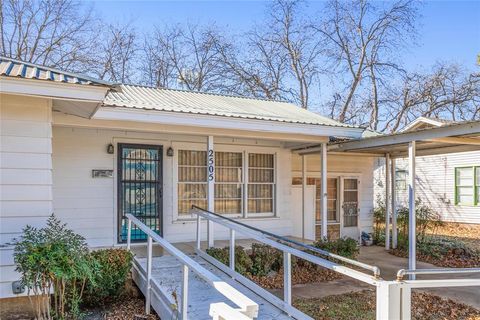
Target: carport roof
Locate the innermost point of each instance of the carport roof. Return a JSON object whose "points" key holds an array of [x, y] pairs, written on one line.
{"points": [[450, 138]]}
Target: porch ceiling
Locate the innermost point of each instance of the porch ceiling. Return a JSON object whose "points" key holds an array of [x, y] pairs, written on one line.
{"points": [[453, 138]]}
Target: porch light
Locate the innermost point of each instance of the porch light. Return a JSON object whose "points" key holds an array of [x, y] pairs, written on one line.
{"points": [[170, 152], [110, 149]]}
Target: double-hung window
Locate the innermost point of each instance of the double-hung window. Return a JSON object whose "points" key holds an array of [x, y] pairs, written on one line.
{"points": [[261, 183], [467, 185], [231, 182]]}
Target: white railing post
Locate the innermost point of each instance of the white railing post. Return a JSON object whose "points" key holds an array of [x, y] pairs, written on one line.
{"points": [[388, 300], [232, 249], [129, 233], [406, 307], [199, 236], [149, 275], [287, 277], [184, 303]]}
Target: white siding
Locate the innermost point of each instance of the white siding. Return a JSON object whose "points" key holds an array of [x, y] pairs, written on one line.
{"points": [[436, 184], [25, 174], [89, 205], [347, 166]]}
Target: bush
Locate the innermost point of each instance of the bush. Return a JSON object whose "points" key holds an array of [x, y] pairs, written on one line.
{"points": [[265, 259], [243, 262], [346, 247], [54, 257], [113, 268]]}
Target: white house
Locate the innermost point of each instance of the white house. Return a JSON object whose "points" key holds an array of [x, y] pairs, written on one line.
{"points": [[449, 183], [91, 152]]}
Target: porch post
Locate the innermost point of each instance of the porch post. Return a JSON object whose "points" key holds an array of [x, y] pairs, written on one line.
{"points": [[304, 186], [387, 201], [324, 191], [412, 239], [394, 205], [211, 187]]}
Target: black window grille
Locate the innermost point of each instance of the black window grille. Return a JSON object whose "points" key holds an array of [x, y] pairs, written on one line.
{"points": [[139, 188]]}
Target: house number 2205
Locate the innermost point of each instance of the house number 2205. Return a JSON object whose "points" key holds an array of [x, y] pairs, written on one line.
{"points": [[211, 165]]}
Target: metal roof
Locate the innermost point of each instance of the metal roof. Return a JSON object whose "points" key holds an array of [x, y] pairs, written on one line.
{"points": [[449, 138], [19, 69], [148, 98]]}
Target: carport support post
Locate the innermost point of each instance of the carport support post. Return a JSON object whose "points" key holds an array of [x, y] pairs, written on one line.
{"points": [[394, 205], [304, 186], [211, 187], [412, 239], [324, 191], [387, 201]]}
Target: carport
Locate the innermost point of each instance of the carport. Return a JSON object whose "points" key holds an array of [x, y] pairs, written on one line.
{"points": [[451, 138]]}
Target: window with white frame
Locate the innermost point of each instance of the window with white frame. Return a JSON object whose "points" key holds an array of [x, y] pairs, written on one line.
{"points": [[229, 182], [261, 182], [401, 179], [192, 180]]}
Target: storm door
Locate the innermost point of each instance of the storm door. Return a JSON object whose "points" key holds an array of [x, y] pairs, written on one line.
{"points": [[139, 188], [350, 208]]}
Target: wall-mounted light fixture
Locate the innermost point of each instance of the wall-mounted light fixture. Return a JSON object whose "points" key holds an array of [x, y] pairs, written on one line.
{"points": [[110, 149], [170, 152]]}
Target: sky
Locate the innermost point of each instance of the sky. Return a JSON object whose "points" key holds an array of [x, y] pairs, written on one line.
{"points": [[448, 31]]}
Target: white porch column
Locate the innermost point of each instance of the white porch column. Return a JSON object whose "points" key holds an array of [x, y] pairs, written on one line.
{"points": [[394, 205], [324, 191], [211, 187], [387, 201], [304, 186], [412, 239]]}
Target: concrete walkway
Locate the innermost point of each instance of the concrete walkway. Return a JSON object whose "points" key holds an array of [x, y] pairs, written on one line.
{"points": [[389, 265]]}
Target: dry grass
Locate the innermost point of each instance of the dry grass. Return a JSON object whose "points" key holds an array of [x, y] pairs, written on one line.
{"points": [[361, 305]]}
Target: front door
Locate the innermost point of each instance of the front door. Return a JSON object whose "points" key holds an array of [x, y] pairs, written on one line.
{"points": [[139, 188], [350, 208]]}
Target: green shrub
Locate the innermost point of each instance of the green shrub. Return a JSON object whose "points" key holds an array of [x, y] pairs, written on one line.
{"points": [[54, 257], [113, 268], [265, 259], [345, 247], [243, 262]]}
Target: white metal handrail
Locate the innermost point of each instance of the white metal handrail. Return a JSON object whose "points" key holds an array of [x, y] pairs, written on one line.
{"points": [[247, 307], [402, 272], [288, 251]]}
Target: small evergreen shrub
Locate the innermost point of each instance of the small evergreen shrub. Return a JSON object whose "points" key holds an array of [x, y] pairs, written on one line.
{"points": [[113, 268], [265, 259], [346, 247], [243, 262]]}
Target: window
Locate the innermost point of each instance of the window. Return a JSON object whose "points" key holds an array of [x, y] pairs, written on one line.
{"points": [[332, 197], [467, 185], [401, 179], [261, 183], [228, 182], [192, 180], [350, 203]]}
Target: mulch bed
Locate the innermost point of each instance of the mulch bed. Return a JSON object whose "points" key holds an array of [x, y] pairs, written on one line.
{"points": [[128, 308], [451, 260], [468, 233], [300, 275], [361, 305]]}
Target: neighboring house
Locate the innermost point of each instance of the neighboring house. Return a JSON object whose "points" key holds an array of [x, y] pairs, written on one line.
{"points": [[448, 183], [91, 152]]}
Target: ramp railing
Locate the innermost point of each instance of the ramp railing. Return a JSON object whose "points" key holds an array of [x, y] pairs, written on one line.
{"points": [[393, 298], [248, 309]]}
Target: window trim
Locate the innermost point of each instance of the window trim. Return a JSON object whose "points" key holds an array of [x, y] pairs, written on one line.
{"points": [[475, 186], [222, 147]]}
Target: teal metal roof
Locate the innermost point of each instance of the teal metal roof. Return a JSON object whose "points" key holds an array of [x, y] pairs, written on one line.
{"points": [[19, 69]]}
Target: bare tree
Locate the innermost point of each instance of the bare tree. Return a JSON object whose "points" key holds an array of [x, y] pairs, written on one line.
{"points": [[447, 92], [361, 38], [117, 53], [186, 55], [57, 33]]}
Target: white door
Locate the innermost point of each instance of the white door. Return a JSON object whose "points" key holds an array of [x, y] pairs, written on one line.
{"points": [[350, 208]]}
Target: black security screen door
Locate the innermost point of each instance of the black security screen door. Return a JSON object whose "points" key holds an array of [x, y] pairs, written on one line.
{"points": [[139, 188]]}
